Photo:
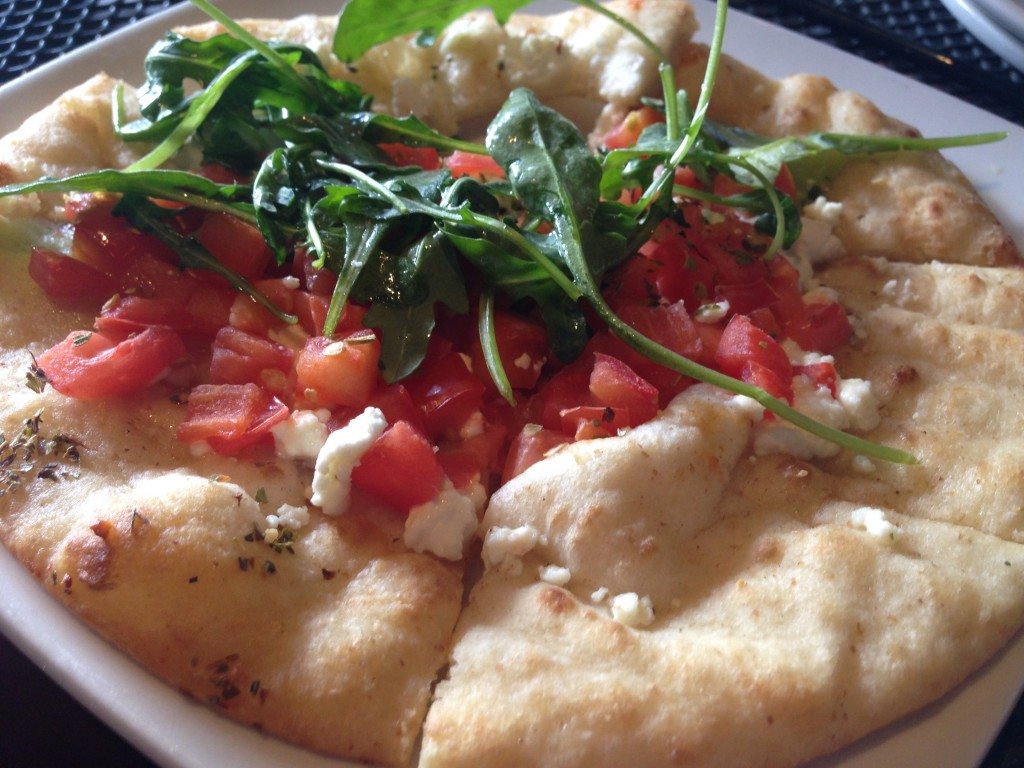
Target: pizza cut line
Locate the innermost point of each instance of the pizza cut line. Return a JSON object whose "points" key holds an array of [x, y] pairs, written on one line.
{"points": [[683, 580]]}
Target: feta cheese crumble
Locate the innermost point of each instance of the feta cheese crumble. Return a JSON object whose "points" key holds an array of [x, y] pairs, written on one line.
{"points": [[444, 525], [873, 521], [632, 610], [554, 574], [712, 312], [289, 516], [301, 435], [332, 477], [504, 547]]}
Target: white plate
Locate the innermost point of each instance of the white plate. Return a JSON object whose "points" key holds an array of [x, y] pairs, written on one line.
{"points": [[1009, 13], [176, 733], [988, 30]]}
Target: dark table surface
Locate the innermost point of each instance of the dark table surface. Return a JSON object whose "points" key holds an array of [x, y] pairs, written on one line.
{"points": [[40, 724]]}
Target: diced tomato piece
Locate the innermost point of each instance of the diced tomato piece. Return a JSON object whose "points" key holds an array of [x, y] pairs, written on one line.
{"points": [[318, 281], [626, 133], [568, 388], [131, 314], [765, 320], [400, 468], [767, 379], [481, 167], [342, 372], [235, 244], [403, 155], [69, 281], [230, 417], [587, 422], [789, 300], [249, 316], [633, 283], [748, 297], [725, 186], [111, 245], [461, 467], [210, 309], [686, 177], [312, 312], [743, 342], [614, 383], [522, 347], [529, 447], [89, 366], [823, 327], [221, 174], [395, 402], [447, 392], [822, 375], [240, 358]]}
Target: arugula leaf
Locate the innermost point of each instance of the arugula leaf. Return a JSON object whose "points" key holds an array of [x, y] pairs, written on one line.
{"points": [[364, 23], [431, 276], [812, 159], [489, 347], [177, 186], [412, 131], [362, 239]]}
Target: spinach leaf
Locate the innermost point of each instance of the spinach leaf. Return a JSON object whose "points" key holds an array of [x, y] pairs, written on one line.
{"points": [[364, 23]]}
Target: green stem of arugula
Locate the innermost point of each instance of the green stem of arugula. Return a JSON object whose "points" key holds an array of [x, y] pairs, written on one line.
{"points": [[348, 275], [373, 185], [665, 70], [664, 180], [489, 345], [198, 111], [238, 31], [773, 197]]}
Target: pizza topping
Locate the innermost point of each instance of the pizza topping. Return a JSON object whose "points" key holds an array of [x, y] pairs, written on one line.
{"points": [[873, 521], [632, 610], [554, 574], [302, 435], [340, 454], [504, 548], [288, 516], [445, 524]]}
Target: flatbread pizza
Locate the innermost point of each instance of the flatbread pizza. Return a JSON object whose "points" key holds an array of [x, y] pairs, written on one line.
{"points": [[328, 418]]}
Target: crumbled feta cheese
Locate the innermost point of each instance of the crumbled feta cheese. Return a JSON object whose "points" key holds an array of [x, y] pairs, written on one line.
{"points": [[199, 448], [554, 574], [863, 464], [825, 210], [817, 243], [821, 295], [301, 436], [332, 477], [748, 406], [600, 594], [712, 312], [890, 288], [797, 355], [443, 525], [503, 547], [859, 402], [632, 610], [873, 521], [857, 409], [523, 362], [289, 516], [290, 281]]}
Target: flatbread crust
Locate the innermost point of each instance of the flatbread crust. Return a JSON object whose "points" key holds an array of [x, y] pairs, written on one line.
{"points": [[783, 631]]}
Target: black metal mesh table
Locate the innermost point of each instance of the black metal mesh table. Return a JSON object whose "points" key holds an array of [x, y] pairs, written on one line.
{"points": [[918, 38]]}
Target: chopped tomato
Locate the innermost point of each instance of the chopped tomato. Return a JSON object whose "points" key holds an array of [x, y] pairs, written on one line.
{"points": [[822, 375], [109, 243], [90, 366], [522, 347], [317, 281], [69, 281], [403, 155], [312, 312], [615, 384], [823, 327], [240, 357], [626, 133], [447, 392], [235, 244], [743, 343], [587, 422], [531, 445], [230, 417], [397, 404], [767, 379], [249, 316], [568, 388], [482, 167], [748, 297], [342, 372], [785, 183], [400, 468]]}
